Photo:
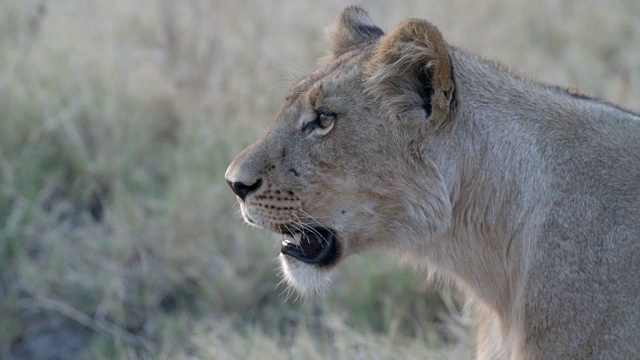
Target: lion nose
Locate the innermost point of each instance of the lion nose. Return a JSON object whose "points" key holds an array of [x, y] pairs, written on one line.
{"points": [[242, 190]]}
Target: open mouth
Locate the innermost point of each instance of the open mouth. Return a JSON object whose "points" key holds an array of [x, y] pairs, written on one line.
{"points": [[317, 246]]}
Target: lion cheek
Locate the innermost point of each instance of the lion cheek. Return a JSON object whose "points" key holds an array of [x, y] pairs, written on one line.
{"points": [[425, 213], [434, 212]]}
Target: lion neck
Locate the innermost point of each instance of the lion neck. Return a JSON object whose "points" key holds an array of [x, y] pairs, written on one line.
{"points": [[496, 182]]}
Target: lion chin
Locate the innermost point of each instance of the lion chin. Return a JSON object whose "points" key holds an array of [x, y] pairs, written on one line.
{"points": [[307, 279], [308, 257]]}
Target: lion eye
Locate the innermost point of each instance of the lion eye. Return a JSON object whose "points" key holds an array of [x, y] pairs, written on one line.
{"points": [[323, 122], [326, 120]]}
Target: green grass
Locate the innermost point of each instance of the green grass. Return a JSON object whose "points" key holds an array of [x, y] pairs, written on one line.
{"points": [[117, 122]]}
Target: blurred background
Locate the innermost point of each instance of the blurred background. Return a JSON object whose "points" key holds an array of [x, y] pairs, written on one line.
{"points": [[118, 235]]}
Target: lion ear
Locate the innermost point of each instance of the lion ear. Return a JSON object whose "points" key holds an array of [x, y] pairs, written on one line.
{"points": [[354, 26], [412, 72]]}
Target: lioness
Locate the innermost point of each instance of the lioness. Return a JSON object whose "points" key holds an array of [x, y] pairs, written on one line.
{"points": [[526, 195]]}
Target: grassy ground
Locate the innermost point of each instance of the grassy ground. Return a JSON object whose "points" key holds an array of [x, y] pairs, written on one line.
{"points": [[118, 235]]}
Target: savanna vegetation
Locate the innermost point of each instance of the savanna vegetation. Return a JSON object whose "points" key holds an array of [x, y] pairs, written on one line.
{"points": [[118, 235]]}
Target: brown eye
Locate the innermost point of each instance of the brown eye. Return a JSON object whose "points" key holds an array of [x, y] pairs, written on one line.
{"points": [[323, 122]]}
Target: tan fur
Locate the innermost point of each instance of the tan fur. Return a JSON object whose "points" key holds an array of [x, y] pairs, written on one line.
{"points": [[526, 195]]}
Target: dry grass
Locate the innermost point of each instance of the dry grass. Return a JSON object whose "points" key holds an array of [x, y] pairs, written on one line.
{"points": [[117, 121]]}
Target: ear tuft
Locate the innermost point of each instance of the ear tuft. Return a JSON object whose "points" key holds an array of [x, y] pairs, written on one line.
{"points": [[411, 72], [354, 26]]}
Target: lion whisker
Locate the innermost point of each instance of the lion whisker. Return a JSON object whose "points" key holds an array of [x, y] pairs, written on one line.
{"points": [[313, 218], [306, 226], [297, 227], [372, 212]]}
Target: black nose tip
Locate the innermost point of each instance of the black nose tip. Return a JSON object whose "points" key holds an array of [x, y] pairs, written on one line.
{"points": [[242, 190]]}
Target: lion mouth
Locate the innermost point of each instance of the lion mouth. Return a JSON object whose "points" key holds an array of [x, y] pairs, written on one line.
{"points": [[316, 246]]}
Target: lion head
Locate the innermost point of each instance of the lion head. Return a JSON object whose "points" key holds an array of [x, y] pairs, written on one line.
{"points": [[347, 165]]}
